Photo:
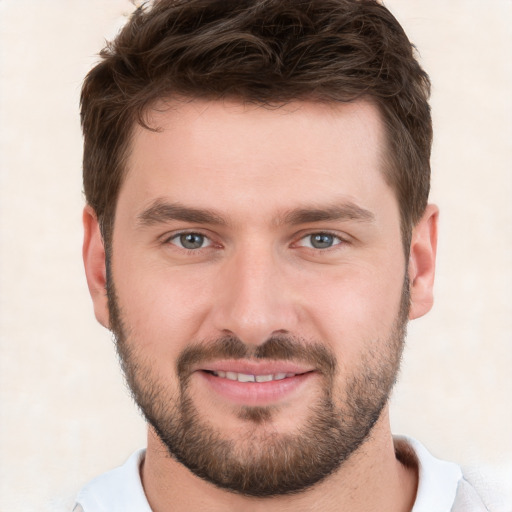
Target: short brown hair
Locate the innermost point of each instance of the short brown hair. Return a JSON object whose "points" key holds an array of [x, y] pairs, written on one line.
{"points": [[267, 52]]}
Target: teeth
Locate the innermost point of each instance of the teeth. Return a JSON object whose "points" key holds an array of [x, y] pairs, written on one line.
{"points": [[263, 378], [244, 377]]}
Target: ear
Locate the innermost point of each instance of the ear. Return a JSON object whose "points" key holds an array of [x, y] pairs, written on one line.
{"points": [[93, 253], [422, 262]]}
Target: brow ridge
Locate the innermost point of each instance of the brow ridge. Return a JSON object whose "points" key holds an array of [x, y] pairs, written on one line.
{"points": [[345, 211], [162, 211]]}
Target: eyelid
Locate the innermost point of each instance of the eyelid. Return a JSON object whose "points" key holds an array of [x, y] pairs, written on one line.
{"points": [[169, 238], [340, 239]]}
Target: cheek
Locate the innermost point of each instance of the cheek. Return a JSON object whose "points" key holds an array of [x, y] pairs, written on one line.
{"points": [[350, 309], [162, 309]]}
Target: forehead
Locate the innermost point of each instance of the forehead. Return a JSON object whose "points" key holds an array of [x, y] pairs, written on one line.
{"points": [[218, 153], [248, 123]]}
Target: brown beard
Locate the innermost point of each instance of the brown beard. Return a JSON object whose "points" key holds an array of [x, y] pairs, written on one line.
{"points": [[264, 462]]}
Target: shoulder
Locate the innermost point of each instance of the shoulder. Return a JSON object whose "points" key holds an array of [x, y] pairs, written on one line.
{"points": [[441, 484], [118, 490]]}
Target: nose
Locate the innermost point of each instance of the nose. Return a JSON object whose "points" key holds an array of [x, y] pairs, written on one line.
{"points": [[255, 297]]}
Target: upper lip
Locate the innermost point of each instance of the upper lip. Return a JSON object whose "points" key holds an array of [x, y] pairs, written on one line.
{"points": [[254, 367]]}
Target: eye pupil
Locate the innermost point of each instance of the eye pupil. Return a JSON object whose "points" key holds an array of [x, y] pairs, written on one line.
{"points": [[191, 240], [322, 240]]}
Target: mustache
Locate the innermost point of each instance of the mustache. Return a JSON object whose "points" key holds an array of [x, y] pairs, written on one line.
{"points": [[276, 348]]}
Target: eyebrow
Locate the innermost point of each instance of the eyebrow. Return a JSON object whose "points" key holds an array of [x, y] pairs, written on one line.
{"points": [[344, 211], [162, 211]]}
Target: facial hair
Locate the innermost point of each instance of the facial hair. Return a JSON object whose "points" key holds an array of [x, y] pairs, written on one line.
{"points": [[263, 462]]}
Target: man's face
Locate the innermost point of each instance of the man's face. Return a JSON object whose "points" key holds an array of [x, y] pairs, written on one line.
{"points": [[257, 287]]}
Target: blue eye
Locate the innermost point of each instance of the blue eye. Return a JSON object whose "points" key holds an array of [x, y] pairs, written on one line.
{"points": [[190, 241], [320, 241]]}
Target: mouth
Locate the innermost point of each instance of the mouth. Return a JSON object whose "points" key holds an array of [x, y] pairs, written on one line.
{"points": [[248, 377], [255, 384]]}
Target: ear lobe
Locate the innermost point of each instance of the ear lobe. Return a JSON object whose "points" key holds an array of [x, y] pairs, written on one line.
{"points": [[422, 262], [93, 253]]}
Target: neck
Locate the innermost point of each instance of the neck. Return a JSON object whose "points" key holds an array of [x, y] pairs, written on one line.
{"points": [[371, 479]]}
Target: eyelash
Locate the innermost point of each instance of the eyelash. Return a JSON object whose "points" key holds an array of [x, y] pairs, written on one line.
{"points": [[177, 236], [338, 240]]}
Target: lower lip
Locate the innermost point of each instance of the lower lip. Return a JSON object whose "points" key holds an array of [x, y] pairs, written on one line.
{"points": [[256, 393]]}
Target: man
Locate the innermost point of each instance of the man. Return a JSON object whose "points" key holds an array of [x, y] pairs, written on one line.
{"points": [[257, 235]]}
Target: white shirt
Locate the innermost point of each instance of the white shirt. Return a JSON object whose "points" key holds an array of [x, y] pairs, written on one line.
{"points": [[441, 486]]}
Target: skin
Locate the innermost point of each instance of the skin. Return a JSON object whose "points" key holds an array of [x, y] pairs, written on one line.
{"points": [[258, 275]]}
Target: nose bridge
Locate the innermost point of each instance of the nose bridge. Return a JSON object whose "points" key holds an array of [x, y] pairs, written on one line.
{"points": [[254, 300]]}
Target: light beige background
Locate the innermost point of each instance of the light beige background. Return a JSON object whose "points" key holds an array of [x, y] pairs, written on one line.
{"points": [[65, 413]]}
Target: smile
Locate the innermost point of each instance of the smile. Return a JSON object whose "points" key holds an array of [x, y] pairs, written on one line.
{"points": [[256, 386], [245, 377]]}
